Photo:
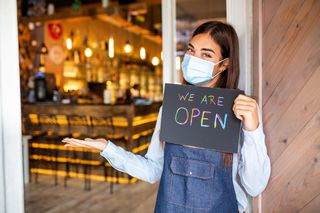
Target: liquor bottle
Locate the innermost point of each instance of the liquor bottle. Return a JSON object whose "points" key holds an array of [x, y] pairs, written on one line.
{"points": [[106, 95], [40, 87]]}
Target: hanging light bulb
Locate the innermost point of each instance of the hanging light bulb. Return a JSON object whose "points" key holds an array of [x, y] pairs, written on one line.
{"points": [[155, 61], [34, 43], [111, 47], [31, 26], [88, 52], [43, 49], [127, 48], [69, 43], [143, 53]]}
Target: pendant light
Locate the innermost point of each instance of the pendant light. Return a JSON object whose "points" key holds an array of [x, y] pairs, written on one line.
{"points": [[69, 43], [143, 53], [88, 52], [127, 48], [111, 47], [155, 61]]}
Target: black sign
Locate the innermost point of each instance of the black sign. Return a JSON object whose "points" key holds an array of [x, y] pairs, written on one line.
{"points": [[201, 117]]}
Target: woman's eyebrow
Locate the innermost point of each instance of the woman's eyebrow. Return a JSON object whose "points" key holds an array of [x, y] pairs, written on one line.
{"points": [[189, 44], [207, 49]]}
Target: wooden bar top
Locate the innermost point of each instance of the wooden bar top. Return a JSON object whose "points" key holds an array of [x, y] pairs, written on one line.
{"points": [[125, 110]]}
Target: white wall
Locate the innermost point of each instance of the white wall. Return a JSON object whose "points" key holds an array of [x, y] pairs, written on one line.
{"points": [[11, 179], [170, 75], [239, 14]]}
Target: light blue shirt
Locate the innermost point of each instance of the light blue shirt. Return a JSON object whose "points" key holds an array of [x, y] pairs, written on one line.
{"points": [[251, 165]]}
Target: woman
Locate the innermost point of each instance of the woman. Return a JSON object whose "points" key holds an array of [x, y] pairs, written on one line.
{"points": [[196, 179]]}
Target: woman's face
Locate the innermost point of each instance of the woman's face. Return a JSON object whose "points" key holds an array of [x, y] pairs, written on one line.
{"points": [[204, 47]]}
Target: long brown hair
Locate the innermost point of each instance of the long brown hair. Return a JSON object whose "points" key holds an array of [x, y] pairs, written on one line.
{"points": [[226, 37]]}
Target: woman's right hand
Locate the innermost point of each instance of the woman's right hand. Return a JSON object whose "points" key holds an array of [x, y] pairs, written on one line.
{"points": [[89, 143]]}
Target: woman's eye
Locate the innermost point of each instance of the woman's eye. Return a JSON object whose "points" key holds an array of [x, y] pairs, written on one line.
{"points": [[190, 50], [206, 55]]}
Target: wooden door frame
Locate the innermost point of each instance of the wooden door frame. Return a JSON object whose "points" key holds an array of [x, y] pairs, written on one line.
{"points": [[257, 50], [257, 36], [240, 14], [245, 16]]}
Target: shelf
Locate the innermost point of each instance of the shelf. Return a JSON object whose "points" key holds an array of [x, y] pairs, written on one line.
{"points": [[95, 11]]}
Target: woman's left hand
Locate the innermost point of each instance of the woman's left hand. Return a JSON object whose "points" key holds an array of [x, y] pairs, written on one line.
{"points": [[88, 143], [245, 109]]}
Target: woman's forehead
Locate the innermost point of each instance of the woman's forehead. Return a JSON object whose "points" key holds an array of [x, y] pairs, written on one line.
{"points": [[204, 41]]}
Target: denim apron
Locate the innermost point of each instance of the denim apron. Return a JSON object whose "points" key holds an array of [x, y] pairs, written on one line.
{"points": [[195, 181]]}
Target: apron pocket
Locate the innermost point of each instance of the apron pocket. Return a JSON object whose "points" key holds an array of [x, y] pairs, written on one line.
{"points": [[191, 183]]}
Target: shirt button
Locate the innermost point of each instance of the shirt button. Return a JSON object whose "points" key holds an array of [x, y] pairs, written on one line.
{"points": [[190, 173]]}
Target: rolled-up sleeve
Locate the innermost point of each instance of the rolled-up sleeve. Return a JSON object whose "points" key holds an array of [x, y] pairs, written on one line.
{"points": [[147, 168], [254, 166]]}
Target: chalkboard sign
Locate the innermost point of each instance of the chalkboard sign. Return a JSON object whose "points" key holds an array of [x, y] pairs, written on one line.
{"points": [[201, 117]]}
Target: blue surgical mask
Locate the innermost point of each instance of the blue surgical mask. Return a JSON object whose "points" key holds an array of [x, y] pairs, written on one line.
{"points": [[197, 71]]}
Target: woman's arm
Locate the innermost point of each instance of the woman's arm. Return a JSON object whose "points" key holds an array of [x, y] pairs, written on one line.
{"points": [[147, 168], [254, 163]]}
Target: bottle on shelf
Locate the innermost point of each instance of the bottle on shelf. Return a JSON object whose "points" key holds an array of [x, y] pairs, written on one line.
{"points": [[40, 86], [107, 95]]}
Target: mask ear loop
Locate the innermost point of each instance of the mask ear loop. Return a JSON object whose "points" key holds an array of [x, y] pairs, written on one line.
{"points": [[215, 75]]}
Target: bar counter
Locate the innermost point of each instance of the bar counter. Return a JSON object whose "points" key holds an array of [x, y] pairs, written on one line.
{"points": [[131, 126], [129, 120]]}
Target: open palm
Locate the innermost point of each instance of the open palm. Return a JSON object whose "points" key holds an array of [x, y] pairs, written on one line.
{"points": [[89, 143]]}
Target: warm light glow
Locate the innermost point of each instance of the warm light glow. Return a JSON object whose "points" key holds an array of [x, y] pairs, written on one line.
{"points": [[70, 74], [31, 26], [71, 87], [34, 43], [155, 61], [161, 56], [127, 48], [76, 57], [111, 47], [69, 70], [178, 63], [69, 43], [44, 49], [143, 53], [88, 52], [42, 69]]}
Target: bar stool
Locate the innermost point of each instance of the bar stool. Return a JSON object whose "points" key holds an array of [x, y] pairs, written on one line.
{"points": [[42, 153], [79, 127], [52, 138], [103, 127], [32, 127], [63, 126]]}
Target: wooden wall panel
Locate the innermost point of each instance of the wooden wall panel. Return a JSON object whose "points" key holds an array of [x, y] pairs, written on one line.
{"points": [[312, 206], [272, 5], [287, 72], [274, 31], [305, 105], [290, 53], [296, 174]]}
